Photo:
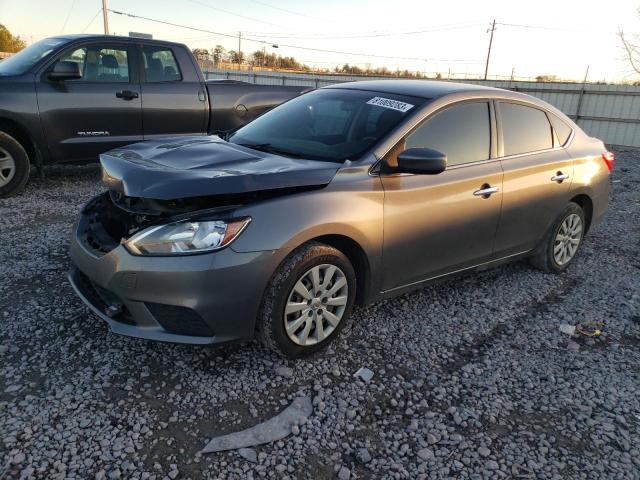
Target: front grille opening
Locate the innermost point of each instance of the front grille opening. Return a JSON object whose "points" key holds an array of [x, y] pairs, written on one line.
{"points": [[106, 225], [179, 320]]}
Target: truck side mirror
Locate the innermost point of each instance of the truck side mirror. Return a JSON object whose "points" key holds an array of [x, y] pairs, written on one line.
{"points": [[65, 70]]}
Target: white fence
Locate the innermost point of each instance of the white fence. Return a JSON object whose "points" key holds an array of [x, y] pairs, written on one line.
{"points": [[609, 112]]}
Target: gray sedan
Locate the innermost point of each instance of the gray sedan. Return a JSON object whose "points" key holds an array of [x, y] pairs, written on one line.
{"points": [[347, 194]]}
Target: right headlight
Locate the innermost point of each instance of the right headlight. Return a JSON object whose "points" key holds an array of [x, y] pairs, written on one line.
{"points": [[186, 237]]}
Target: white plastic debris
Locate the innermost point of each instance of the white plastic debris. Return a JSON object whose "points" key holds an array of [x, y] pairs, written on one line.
{"points": [[364, 373], [272, 430], [568, 329]]}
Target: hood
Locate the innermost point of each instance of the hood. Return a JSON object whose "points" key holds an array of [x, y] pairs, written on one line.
{"points": [[184, 167]]}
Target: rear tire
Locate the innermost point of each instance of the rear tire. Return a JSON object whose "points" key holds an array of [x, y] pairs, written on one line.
{"points": [[562, 242], [316, 284], [14, 166]]}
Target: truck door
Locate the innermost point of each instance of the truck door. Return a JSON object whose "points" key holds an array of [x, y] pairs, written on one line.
{"points": [[93, 114], [174, 100]]}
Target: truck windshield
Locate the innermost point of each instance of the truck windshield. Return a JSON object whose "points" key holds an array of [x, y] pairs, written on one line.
{"points": [[25, 59], [329, 124]]}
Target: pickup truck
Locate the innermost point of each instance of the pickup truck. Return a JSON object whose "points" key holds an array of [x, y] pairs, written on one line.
{"points": [[73, 97]]}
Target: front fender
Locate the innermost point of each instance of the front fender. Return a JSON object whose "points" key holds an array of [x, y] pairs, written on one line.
{"points": [[352, 206]]}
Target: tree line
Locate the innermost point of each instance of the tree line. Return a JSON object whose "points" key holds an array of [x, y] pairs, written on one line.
{"points": [[10, 43]]}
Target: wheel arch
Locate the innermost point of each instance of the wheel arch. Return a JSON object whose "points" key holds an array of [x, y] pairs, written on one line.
{"points": [[586, 204], [358, 258], [21, 135]]}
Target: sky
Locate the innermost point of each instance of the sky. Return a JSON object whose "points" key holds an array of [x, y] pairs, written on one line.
{"points": [[541, 37]]}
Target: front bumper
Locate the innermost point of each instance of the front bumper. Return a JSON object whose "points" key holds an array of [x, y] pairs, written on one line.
{"points": [[198, 299]]}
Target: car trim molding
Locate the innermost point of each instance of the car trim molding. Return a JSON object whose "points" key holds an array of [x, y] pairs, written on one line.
{"points": [[454, 271]]}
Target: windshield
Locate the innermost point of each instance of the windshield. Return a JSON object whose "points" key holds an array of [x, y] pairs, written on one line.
{"points": [[327, 124], [25, 59]]}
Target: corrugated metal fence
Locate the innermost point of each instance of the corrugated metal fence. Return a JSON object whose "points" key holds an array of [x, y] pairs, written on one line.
{"points": [[609, 112]]}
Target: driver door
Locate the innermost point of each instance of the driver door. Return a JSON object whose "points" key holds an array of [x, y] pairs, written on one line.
{"points": [[102, 110], [437, 224]]}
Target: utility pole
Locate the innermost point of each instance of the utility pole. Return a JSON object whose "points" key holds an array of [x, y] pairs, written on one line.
{"points": [[239, 48], [105, 17], [486, 67]]}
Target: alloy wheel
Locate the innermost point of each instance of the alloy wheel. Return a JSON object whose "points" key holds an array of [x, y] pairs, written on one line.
{"points": [[7, 167], [567, 240], [316, 305]]}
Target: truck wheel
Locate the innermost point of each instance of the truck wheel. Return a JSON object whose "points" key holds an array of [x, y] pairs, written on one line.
{"points": [[308, 301], [561, 243], [14, 166]]}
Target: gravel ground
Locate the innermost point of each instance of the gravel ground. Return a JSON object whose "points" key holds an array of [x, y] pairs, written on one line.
{"points": [[472, 377]]}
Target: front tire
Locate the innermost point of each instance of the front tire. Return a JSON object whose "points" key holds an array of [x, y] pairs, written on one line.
{"points": [[560, 245], [308, 301], [14, 166]]}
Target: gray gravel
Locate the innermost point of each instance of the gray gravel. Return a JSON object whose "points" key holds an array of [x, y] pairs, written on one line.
{"points": [[473, 378]]}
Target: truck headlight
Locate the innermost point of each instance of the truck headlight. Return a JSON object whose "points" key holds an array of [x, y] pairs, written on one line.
{"points": [[185, 237]]}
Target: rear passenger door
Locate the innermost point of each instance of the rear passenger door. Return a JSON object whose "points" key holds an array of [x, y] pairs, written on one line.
{"points": [[437, 224], [537, 175], [173, 99]]}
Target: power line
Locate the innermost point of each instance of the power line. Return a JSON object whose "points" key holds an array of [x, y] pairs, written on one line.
{"points": [[206, 5], [372, 35], [92, 20], [290, 11], [590, 31], [339, 52], [66, 20]]}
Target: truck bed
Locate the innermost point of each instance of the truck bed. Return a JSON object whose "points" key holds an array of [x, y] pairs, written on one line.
{"points": [[235, 103]]}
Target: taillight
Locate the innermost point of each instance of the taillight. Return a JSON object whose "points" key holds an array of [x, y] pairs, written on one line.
{"points": [[609, 159]]}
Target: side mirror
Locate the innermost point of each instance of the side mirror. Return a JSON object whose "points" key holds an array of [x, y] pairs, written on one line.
{"points": [[65, 70], [423, 161]]}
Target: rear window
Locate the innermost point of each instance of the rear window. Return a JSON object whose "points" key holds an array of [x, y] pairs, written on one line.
{"points": [[524, 129], [160, 64], [563, 131]]}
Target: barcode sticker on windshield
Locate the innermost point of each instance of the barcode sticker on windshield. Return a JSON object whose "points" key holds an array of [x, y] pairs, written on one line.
{"points": [[392, 104]]}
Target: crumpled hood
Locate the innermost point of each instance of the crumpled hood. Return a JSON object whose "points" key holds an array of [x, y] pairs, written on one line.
{"points": [[173, 168]]}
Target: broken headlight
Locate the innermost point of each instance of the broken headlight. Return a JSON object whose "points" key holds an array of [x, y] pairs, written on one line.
{"points": [[186, 237]]}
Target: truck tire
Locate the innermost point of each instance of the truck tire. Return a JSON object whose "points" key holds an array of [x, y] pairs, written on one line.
{"points": [[14, 166]]}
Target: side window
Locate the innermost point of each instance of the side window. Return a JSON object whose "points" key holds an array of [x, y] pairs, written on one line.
{"points": [[461, 132], [100, 64], [524, 129], [160, 64], [563, 131]]}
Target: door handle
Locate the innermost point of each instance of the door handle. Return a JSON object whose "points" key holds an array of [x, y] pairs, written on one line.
{"points": [[127, 94], [486, 191], [559, 177]]}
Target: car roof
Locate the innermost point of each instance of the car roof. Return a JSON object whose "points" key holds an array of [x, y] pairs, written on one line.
{"points": [[119, 38], [415, 88]]}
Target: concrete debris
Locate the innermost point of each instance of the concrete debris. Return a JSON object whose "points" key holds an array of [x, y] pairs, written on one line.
{"points": [[272, 430], [364, 373]]}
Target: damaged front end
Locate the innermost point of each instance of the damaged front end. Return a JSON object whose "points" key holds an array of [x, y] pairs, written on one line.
{"points": [[112, 219], [178, 196]]}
